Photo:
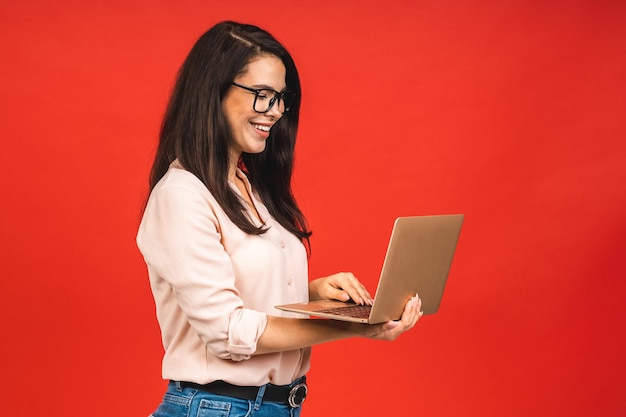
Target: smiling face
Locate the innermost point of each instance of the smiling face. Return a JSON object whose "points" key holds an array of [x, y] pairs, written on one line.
{"points": [[250, 129]]}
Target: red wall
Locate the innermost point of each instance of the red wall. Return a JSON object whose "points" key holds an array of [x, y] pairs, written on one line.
{"points": [[511, 112]]}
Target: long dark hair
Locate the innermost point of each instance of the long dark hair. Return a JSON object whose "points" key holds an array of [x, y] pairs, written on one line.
{"points": [[196, 133]]}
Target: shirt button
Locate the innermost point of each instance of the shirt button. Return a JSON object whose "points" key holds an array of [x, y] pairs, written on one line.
{"points": [[282, 244], [289, 281]]}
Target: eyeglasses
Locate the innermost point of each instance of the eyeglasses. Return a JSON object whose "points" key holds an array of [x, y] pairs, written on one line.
{"points": [[264, 98]]}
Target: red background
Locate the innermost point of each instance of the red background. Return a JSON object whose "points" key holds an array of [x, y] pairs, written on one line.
{"points": [[511, 112]]}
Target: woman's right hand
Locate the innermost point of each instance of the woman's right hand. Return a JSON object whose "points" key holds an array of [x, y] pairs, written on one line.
{"points": [[392, 329]]}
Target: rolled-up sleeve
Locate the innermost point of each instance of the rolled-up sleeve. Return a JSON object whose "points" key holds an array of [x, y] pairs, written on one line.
{"points": [[180, 239]]}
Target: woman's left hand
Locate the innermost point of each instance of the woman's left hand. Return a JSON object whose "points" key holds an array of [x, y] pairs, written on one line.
{"points": [[342, 286]]}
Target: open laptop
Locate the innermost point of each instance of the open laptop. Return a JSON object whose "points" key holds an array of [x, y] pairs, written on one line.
{"points": [[418, 261]]}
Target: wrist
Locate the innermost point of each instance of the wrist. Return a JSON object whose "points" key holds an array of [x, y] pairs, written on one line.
{"points": [[357, 329], [314, 289]]}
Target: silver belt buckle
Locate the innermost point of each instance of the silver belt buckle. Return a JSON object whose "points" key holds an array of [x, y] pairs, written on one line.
{"points": [[297, 395]]}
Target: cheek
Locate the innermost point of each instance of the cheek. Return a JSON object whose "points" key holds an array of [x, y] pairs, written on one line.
{"points": [[237, 114], [231, 108]]}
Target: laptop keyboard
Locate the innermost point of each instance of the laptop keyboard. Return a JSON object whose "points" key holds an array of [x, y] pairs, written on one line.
{"points": [[357, 311]]}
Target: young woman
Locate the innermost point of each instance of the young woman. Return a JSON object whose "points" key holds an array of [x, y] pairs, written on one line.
{"points": [[224, 239]]}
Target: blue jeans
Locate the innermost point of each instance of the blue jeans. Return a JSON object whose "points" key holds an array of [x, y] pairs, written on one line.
{"points": [[190, 402]]}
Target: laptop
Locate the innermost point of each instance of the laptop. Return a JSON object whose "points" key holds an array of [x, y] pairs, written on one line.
{"points": [[418, 260]]}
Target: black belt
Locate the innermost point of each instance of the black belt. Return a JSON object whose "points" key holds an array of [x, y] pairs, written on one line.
{"points": [[293, 395]]}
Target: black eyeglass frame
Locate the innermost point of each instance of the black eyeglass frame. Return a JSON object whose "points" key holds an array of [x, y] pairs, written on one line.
{"points": [[278, 96]]}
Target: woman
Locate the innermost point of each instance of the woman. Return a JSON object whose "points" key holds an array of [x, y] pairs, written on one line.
{"points": [[224, 239]]}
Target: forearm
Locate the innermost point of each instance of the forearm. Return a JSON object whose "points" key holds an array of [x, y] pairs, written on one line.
{"points": [[282, 334], [314, 293]]}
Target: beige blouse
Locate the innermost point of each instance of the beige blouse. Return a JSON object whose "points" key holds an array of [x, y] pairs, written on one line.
{"points": [[214, 285]]}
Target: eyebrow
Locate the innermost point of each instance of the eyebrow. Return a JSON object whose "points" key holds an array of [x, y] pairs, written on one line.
{"points": [[267, 87]]}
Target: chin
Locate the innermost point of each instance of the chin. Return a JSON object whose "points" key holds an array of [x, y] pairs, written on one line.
{"points": [[256, 149]]}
